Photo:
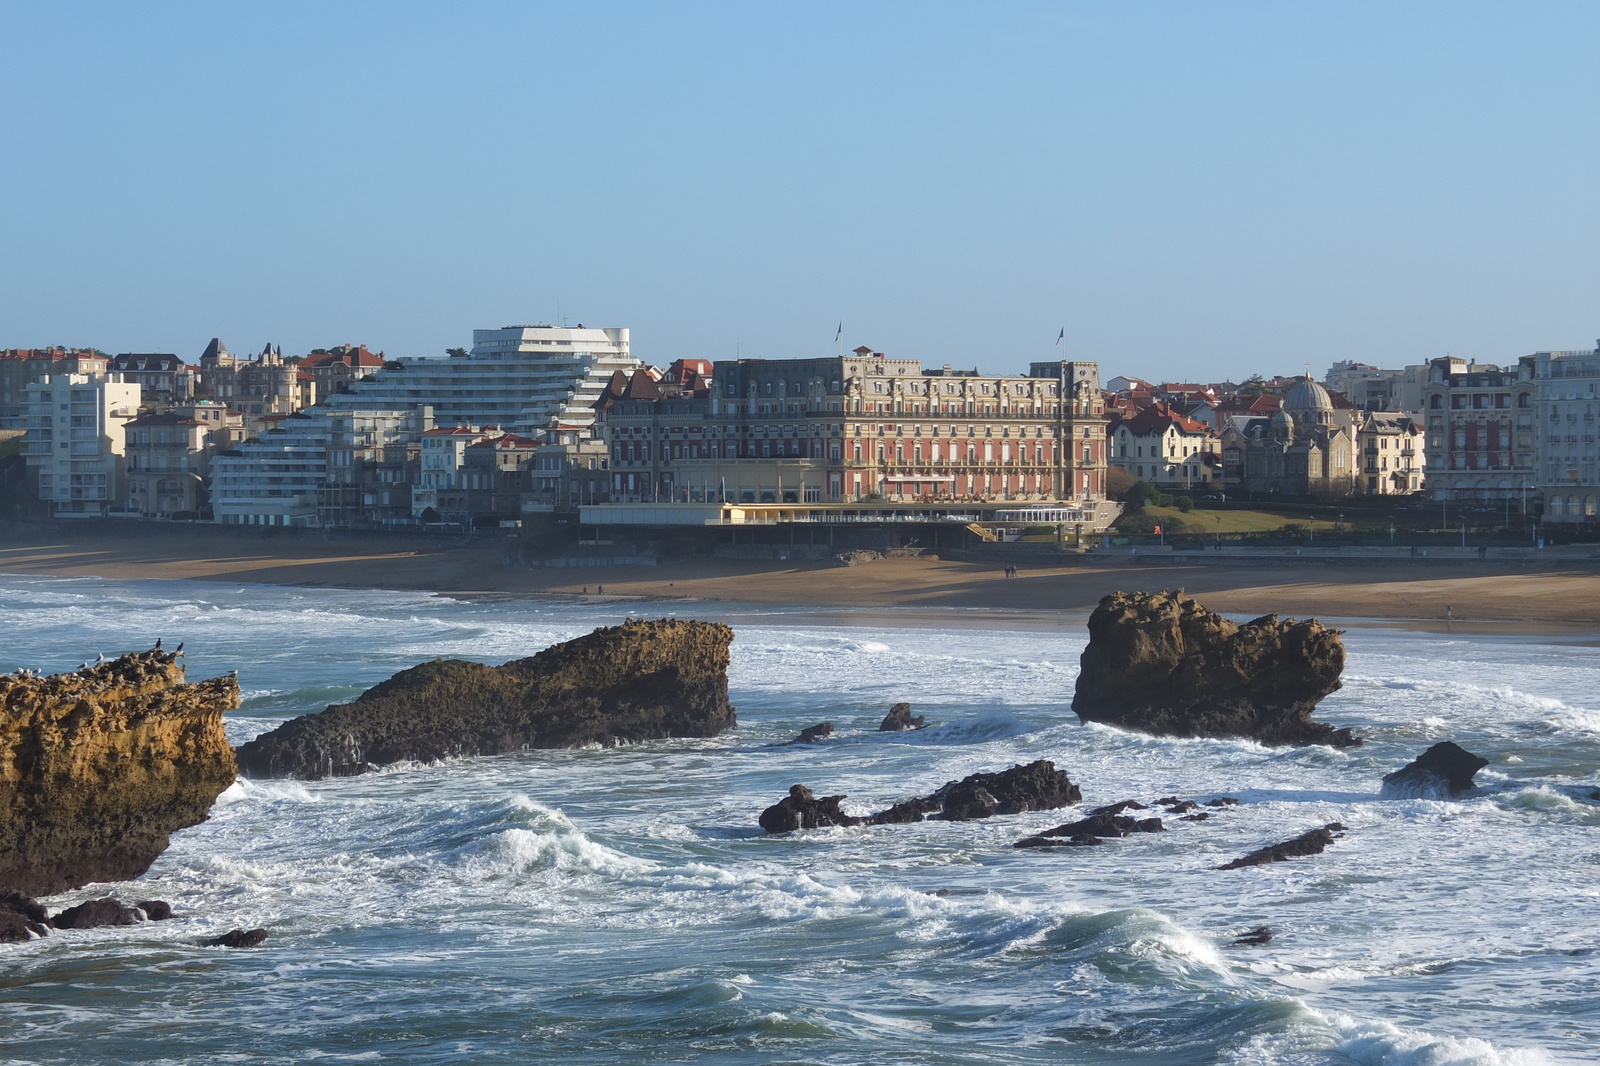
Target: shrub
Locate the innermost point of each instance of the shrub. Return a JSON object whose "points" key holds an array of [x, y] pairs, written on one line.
{"points": [[1185, 504]]}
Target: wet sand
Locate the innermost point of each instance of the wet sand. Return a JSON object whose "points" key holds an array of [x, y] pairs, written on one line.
{"points": [[1476, 593]]}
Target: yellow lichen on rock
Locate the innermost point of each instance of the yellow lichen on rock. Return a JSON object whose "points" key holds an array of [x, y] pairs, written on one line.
{"points": [[98, 767]]}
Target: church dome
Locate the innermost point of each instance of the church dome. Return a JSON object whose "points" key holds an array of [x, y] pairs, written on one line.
{"points": [[1307, 395]]}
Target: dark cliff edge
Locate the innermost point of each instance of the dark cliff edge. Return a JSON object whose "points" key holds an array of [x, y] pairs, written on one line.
{"points": [[642, 680], [98, 767], [1161, 663]]}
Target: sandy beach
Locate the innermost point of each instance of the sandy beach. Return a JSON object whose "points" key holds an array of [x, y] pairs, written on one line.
{"points": [[1475, 592]]}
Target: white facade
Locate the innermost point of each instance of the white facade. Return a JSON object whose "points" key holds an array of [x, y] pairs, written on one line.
{"points": [[522, 379], [442, 482], [278, 479], [76, 441], [1566, 448]]}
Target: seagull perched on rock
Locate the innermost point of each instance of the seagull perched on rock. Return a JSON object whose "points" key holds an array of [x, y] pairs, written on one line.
{"points": [[100, 657]]}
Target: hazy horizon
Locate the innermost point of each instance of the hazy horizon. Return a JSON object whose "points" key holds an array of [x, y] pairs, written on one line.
{"points": [[1189, 191]]}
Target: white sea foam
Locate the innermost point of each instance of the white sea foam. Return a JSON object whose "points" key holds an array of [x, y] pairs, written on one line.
{"points": [[1382, 1044], [625, 904]]}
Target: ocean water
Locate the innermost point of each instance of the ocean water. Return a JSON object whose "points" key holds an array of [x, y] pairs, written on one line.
{"points": [[622, 906]]}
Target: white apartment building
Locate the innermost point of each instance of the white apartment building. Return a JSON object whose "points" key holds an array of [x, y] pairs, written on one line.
{"points": [[442, 484], [76, 441], [284, 478], [1566, 470], [524, 379]]}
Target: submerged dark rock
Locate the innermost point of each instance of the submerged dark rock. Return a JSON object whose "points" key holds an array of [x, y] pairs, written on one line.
{"points": [[21, 918], [811, 734], [157, 910], [802, 810], [100, 766], [1079, 840], [1313, 842], [899, 719], [1106, 824], [1261, 934], [1444, 770], [95, 914], [1119, 807], [638, 681], [1036, 786], [237, 938], [1161, 663]]}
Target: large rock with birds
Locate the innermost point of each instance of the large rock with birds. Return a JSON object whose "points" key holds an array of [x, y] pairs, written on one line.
{"points": [[1161, 663], [642, 680], [98, 767]]}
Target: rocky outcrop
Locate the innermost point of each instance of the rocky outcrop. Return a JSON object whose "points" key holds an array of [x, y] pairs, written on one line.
{"points": [[1160, 663], [97, 913], [814, 734], [98, 767], [802, 810], [1313, 842], [1037, 786], [899, 720], [1442, 771], [638, 681], [21, 918], [237, 938]]}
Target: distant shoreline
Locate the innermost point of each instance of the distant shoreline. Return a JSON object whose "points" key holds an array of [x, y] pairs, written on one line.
{"points": [[1552, 597]]}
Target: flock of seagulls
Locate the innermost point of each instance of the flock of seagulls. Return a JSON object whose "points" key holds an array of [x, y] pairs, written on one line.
{"points": [[100, 658]]}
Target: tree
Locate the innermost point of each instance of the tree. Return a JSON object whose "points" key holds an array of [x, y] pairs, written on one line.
{"points": [[1254, 385], [456, 353], [1118, 482]]}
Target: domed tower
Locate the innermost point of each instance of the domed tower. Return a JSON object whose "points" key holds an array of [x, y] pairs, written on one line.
{"points": [[1282, 426], [1309, 405]]}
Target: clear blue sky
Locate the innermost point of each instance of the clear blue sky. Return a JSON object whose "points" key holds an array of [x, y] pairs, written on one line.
{"points": [[1193, 190]]}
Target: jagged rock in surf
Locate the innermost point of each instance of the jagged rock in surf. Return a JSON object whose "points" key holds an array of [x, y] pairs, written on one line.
{"points": [[1078, 840], [899, 719], [1312, 842], [1444, 770], [1161, 663], [642, 680], [96, 913], [1120, 806], [813, 734], [21, 918], [1106, 824], [237, 938], [157, 910], [1036, 786], [801, 810], [1261, 934], [100, 766]]}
